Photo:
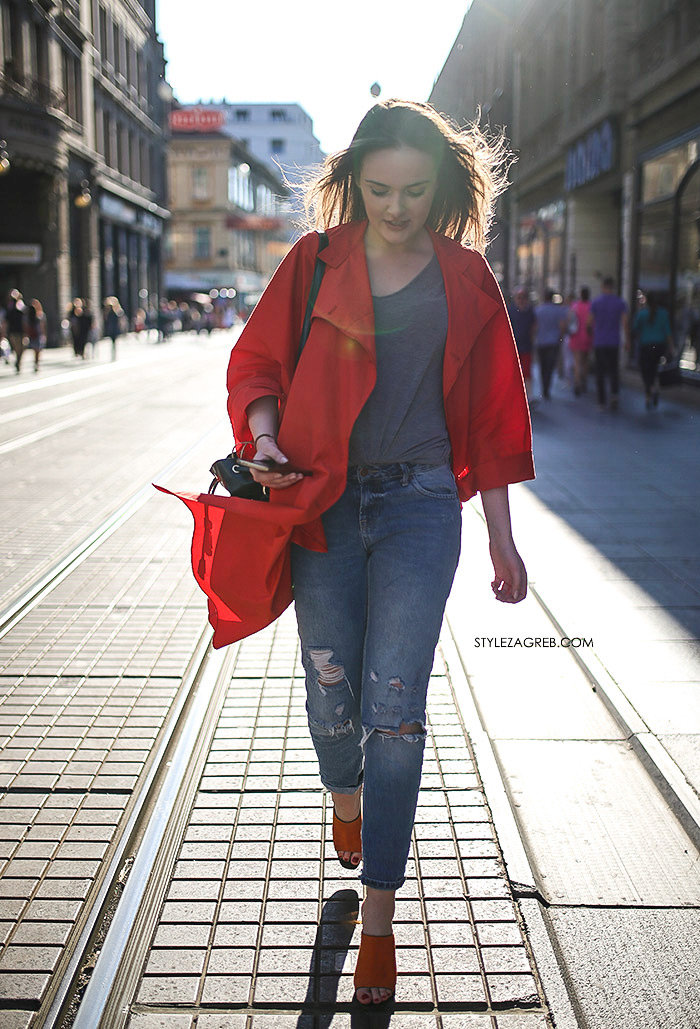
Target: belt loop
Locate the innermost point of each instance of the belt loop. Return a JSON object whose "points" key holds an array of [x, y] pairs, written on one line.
{"points": [[406, 477]]}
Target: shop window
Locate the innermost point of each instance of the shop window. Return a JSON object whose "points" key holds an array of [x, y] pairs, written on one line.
{"points": [[661, 175], [202, 243]]}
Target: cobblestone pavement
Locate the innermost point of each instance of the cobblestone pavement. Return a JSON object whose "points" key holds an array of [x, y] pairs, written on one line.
{"points": [[267, 912]]}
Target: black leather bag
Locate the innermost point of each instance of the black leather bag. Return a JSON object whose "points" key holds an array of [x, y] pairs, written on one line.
{"points": [[239, 481]]}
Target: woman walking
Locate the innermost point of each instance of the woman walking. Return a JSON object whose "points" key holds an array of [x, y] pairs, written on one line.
{"points": [[112, 320], [652, 332], [581, 340], [408, 399]]}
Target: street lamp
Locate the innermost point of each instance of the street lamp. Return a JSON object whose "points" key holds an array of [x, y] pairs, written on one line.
{"points": [[4, 157], [84, 197]]}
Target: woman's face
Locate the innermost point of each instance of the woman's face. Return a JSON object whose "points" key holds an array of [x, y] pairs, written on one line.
{"points": [[398, 186]]}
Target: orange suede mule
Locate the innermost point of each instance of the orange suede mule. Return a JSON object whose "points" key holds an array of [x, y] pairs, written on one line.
{"points": [[376, 965], [347, 836]]}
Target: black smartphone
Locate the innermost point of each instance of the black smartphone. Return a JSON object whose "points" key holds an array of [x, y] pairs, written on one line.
{"points": [[267, 464]]}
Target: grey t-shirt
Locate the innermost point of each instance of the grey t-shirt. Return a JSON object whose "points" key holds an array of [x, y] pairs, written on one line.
{"points": [[404, 417]]}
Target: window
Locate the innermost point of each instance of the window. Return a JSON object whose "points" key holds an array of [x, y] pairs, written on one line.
{"points": [[242, 115], [202, 243], [104, 37], [115, 47], [277, 146], [277, 114], [72, 86], [134, 157], [240, 187], [15, 57], [107, 151], [145, 164], [200, 183]]}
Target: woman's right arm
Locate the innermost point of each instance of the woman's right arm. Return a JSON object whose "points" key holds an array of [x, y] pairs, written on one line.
{"points": [[263, 421]]}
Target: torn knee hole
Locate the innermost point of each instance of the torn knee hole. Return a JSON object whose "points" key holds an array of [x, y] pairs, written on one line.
{"points": [[405, 729], [329, 674]]}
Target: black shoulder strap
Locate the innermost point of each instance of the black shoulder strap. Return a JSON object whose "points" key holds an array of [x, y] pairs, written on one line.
{"points": [[319, 269]]}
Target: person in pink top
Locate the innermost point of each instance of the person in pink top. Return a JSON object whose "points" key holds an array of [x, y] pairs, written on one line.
{"points": [[581, 340]]}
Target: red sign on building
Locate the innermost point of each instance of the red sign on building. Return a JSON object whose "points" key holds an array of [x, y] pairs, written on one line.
{"points": [[196, 119]]}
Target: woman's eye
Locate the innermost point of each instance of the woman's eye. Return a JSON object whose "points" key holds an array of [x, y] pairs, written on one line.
{"points": [[378, 192], [416, 195]]}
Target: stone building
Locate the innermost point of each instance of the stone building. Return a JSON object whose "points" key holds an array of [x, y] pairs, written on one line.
{"points": [[83, 101], [228, 229], [279, 136], [604, 116]]}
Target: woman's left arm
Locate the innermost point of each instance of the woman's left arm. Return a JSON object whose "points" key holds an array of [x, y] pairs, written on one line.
{"points": [[510, 582]]}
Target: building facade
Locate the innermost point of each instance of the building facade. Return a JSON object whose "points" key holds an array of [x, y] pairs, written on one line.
{"points": [[228, 229], [279, 136], [605, 121], [83, 104]]}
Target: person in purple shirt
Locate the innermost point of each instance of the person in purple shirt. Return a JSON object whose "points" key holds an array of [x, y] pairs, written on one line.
{"points": [[609, 320]]}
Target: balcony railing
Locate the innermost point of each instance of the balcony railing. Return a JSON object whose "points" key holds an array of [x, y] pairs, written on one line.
{"points": [[31, 90]]}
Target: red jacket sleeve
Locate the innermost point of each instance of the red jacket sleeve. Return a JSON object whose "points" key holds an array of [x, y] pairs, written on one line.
{"points": [[264, 357], [500, 437]]}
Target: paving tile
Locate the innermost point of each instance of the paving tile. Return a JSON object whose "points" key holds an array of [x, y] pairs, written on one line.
{"points": [[42, 933], [226, 989], [181, 989], [161, 1021], [512, 989], [17, 1019], [231, 1021], [176, 961], [24, 959], [23, 986], [460, 989]]}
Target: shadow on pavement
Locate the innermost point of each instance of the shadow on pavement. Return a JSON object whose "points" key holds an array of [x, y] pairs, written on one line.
{"points": [[334, 933]]}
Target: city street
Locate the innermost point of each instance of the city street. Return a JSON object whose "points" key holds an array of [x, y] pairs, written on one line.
{"points": [[165, 850]]}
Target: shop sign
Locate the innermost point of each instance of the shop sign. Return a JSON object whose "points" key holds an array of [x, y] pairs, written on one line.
{"points": [[116, 209], [20, 253], [590, 157], [196, 119]]}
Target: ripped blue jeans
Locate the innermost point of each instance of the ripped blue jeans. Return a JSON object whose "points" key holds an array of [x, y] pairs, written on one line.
{"points": [[369, 614]]}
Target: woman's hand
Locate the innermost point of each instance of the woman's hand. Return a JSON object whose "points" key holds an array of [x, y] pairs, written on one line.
{"points": [[267, 448], [510, 582]]}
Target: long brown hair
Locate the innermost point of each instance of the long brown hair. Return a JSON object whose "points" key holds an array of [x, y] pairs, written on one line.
{"points": [[472, 171]]}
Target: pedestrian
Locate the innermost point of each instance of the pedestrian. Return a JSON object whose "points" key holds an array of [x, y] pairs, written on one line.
{"points": [[79, 326], [609, 320], [16, 321], [407, 400], [652, 333], [36, 330], [524, 323], [551, 325], [581, 339], [113, 315]]}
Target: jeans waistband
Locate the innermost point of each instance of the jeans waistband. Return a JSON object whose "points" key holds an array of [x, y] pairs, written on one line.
{"points": [[388, 472]]}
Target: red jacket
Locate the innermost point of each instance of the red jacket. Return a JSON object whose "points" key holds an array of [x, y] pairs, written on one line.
{"points": [[240, 549]]}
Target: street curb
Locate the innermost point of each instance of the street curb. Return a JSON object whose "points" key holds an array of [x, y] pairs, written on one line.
{"points": [[510, 841], [662, 769]]}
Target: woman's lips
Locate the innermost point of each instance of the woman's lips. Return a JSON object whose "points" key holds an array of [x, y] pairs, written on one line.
{"points": [[396, 225]]}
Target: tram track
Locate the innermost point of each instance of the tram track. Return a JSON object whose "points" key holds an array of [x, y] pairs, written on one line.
{"points": [[44, 584], [149, 817]]}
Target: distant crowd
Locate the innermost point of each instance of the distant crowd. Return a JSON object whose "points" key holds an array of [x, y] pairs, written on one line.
{"points": [[583, 335], [23, 324]]}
